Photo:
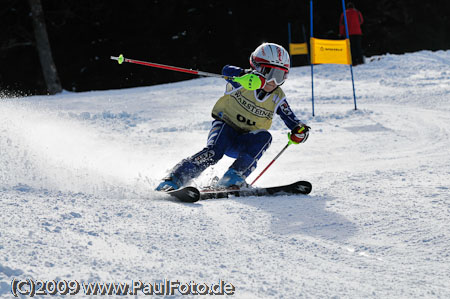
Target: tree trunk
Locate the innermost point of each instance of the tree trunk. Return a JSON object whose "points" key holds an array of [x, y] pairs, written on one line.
{"points": [[43, 48]]}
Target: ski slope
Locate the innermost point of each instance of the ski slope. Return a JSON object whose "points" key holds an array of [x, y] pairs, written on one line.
{"points": [[77, 172]]}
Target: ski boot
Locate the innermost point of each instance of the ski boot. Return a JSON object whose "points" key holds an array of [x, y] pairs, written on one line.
{"points": [[169, 183], [230, 179]]}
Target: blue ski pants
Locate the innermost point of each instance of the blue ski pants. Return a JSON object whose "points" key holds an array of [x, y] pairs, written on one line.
{"points": [[246, 148]]}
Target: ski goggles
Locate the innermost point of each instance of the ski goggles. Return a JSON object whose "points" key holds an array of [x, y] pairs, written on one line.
{"points": [[272, 73]]}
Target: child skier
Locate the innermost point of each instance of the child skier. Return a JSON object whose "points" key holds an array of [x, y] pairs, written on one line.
{"points": [[241, 120]]}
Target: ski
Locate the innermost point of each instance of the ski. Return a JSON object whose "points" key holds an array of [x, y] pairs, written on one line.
{"points": [[192, 194], [185, 194], [300, 187]]}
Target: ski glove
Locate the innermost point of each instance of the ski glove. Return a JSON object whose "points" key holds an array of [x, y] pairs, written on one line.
{"points": [[299, 134]]}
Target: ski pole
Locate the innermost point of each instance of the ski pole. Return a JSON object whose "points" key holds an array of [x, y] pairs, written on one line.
{"points": [[120, 59], [249, 81], [270, 164], [274, 159]]}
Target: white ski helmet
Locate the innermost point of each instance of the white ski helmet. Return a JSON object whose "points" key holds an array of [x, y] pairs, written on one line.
{"points": [[272, 61]]}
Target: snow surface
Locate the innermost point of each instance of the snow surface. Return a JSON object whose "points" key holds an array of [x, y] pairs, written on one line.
{"points": [[77, 172]]}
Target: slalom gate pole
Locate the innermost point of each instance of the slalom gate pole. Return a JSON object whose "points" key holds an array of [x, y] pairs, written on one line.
{"points": [[120, 59], [270, 164], [351, 66], [311, 62]]}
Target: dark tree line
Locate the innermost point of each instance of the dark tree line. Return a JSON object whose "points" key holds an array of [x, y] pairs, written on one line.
{"points": [[198, 34]]}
